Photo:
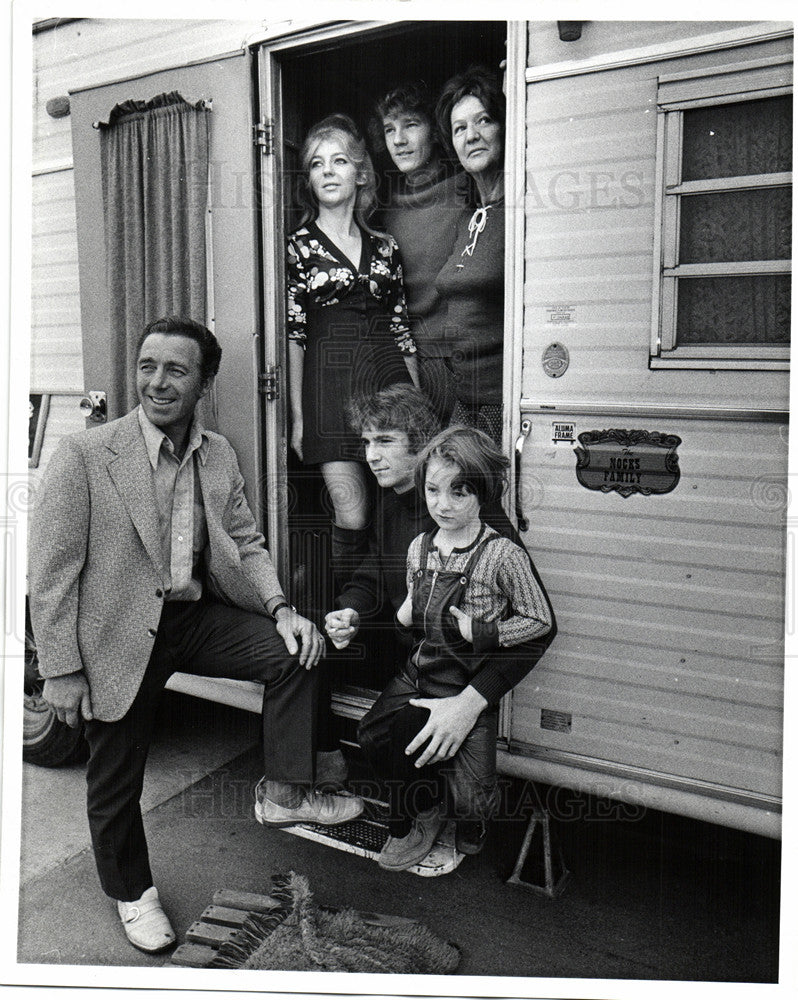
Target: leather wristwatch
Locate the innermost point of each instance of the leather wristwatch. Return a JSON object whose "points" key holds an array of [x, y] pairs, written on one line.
{"points": [[279, 606]]}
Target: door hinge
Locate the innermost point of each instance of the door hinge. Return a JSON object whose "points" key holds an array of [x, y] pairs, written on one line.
{"points": [[264, 135], [269, 382]]}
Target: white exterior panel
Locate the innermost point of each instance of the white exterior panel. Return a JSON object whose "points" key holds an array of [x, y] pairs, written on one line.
{"points": [[56, 349], [667, 669], [669, 655], [590, 239]]}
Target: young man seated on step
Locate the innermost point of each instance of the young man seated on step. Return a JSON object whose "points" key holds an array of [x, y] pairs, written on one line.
{"points": [[395, 425]]}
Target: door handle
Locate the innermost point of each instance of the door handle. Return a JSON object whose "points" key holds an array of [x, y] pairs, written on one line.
{"points": [[526, 427]]}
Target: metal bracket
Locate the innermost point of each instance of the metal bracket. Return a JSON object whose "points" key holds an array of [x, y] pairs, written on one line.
{"points": [[264, 136], [269, 382], [550, 861], [94, 406]]}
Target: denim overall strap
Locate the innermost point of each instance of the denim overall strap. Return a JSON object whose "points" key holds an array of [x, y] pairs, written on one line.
{"points": [[419, 591], [465, 576], [443, 662]]}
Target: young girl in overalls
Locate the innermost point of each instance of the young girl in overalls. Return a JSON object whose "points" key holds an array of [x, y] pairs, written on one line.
{"points": [[471, 594]]}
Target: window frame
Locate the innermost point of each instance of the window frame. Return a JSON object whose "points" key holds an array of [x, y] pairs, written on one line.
{"points": [[677, 93]]}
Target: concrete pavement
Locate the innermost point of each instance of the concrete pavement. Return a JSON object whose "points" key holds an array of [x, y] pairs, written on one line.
{"points": [[650, 896]]}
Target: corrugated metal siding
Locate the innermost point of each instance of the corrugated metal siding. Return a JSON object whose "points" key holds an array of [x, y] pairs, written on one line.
{"points": [[93, 51], [590, 206], [56, 349], [670, 608], [669, 657], [99, 50], [64, 59], [601, 37], [51, 137], [64, 418]]}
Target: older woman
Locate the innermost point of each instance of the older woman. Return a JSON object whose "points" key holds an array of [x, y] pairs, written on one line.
{"points": [[426, 199], [470, 115], [348, 331]]}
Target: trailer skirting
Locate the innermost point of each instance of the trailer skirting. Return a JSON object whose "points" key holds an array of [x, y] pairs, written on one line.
{"points": [[248, 695]]}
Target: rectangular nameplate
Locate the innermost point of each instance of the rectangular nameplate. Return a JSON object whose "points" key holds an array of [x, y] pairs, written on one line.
{"points": [[562, 433], [557, 722]]}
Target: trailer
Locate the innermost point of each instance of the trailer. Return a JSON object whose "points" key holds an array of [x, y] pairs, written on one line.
{"points": [[647, 322]]}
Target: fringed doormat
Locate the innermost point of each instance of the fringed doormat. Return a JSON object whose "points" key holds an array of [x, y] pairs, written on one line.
{"points": [[289, 931]]}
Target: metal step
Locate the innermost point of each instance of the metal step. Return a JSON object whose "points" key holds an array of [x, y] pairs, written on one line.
{"points": [[366, 836]]}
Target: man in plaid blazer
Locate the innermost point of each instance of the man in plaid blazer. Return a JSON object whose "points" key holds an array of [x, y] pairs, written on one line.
{"points": [[145, 559]]}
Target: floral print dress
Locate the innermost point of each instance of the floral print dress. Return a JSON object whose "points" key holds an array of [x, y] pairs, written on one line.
{"points": [[352, 323]]}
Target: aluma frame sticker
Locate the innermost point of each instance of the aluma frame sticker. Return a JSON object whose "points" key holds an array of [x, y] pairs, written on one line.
{"points": [[627, 462]]}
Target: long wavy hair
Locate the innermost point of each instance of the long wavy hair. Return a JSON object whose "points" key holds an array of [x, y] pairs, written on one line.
{"points": [[339, 127]]}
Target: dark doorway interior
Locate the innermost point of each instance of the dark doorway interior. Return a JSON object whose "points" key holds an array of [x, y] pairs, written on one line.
{"points": [[347, 75]]}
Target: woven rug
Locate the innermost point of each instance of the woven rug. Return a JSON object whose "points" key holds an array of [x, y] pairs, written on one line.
{"points": [[307, 937]]}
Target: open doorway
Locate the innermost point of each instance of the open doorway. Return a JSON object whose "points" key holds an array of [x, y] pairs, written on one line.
{"points": [[347, 74], [350, 74]]}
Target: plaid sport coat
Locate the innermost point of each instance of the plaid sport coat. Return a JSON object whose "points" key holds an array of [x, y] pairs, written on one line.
{"points": [[95, 566]]}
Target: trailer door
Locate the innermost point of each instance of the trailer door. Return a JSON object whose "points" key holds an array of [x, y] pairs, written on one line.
{"points": [[277, 149], [231, 241]]}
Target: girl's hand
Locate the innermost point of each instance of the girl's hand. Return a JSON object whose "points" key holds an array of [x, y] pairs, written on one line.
{"points": [[463, 623], [341, 626], [405, 614], [296, 438]]}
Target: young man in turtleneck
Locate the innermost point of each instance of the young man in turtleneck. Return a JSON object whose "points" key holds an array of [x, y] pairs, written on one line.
{"points": [[426, 202], [395, 425]]}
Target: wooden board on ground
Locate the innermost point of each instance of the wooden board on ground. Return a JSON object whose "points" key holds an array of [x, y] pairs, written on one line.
{"points": [[224, 919]]}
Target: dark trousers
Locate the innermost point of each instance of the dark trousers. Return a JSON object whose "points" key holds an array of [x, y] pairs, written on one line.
{"points": [[212, 640], [467, 782]]}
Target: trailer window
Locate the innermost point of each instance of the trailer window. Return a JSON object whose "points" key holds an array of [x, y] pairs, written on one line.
{"points": [[725, 219]]}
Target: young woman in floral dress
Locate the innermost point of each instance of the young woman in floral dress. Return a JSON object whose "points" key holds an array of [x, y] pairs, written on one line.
{"points": [[348, 330]]}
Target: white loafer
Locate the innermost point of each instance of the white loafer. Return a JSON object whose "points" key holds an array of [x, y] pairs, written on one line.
{"points": [[146, 925]]}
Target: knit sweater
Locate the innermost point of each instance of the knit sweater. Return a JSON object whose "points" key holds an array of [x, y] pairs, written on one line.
{"points": [[503, 595], [398, 518], [423, 219], [472, 287]]}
